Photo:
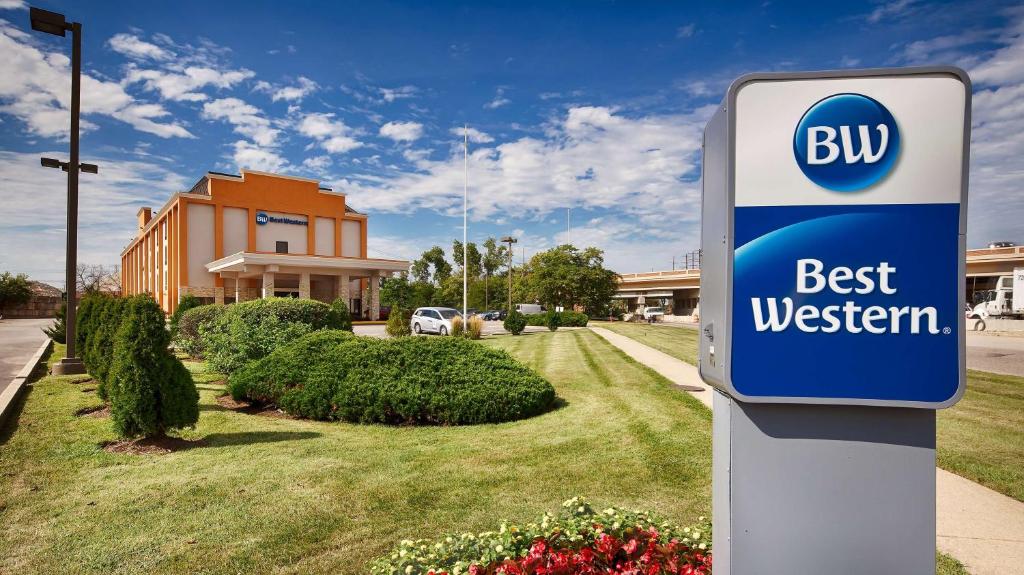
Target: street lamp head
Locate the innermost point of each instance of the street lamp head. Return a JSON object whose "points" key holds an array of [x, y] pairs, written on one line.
{"points": [[50, 163], [89, 168], [509, 240], [49, 22]]}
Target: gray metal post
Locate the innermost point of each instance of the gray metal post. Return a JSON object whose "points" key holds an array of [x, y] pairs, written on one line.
{"points": [[71, 364]]}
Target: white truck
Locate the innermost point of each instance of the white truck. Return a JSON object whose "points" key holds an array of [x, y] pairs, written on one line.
{"points": [[999, 302], [528, 308]]}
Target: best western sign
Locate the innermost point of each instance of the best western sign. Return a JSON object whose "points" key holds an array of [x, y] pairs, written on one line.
{"points": [[834, 216], [263, 218]]}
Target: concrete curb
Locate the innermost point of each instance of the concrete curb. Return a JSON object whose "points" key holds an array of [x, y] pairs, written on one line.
{"points": [[10, 394]]}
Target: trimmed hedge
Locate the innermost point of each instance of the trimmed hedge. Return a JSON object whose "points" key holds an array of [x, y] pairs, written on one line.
{"points": [[333, 375], [187, 338], [565, 318], [515, 322], [398, 323], [124, 346], [250, 330], [150, 390], [185, 303]]}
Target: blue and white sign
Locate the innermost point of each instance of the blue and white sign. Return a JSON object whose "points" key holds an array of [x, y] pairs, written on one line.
{"points": [[843, 272], [262, 218]]}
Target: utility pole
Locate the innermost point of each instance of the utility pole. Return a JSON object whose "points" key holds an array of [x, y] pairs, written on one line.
{"points": [[56, 24], [465, 221], [509, 240], [568, 227]]}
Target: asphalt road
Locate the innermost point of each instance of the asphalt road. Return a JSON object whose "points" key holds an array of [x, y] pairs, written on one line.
{"points": [[996, 353], [19, 339], [490, 327]]}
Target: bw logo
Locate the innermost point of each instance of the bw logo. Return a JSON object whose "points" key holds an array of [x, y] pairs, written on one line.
{"points": [[846, 142]]}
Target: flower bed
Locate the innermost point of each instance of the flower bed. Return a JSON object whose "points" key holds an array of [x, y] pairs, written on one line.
{"points": [[579, 541]]}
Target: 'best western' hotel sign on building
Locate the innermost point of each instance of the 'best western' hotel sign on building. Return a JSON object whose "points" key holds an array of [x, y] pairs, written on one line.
{"points": [[235, 238]]}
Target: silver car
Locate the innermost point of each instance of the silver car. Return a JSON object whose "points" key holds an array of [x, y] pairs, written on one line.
{"points": [[433, 320]]}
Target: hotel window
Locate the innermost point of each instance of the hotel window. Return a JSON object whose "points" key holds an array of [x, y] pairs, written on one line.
{"points": [[164, 252], [282, 247]]}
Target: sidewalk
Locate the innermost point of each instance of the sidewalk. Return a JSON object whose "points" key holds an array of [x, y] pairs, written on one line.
{"points": [[981, 528]]}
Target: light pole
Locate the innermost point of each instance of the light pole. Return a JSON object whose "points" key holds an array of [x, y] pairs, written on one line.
{"points": [[56, 24], [509, 240]]}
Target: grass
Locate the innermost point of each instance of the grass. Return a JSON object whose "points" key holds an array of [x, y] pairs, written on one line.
{"points": [[282, 496], [980, 438], [679, 342]]}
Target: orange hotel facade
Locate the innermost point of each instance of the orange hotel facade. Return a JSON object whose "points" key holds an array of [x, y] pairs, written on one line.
{"points": [[234, 238]]}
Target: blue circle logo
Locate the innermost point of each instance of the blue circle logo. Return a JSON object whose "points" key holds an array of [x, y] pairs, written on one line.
{"points": [[262, 218], [846, 142]]}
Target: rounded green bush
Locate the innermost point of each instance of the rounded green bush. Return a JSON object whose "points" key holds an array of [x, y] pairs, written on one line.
{"points": [[515, 322], [552, 320], [250, 330], [398, 323], [444, 381], [185, 303], [187, 337]]}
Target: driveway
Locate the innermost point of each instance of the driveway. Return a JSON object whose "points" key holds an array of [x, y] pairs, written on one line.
{"points": [[19, 339], [490, 328], [996, 353]]}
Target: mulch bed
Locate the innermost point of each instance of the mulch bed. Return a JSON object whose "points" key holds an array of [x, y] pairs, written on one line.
{"points": [[97, 411], [227, 402], [150, 445]]}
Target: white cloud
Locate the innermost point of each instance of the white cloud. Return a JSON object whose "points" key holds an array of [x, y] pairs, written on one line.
{"points": [[401, 93], [181, 83], [686, 31], [475, 136], [256, 157], [36, 88], [134, 47], [32, 239], [247, 119], [303, 88], [644, 168], [317, 163], [498, 101], [333, 135], [402, 131], [13, 5], [889, 10]]}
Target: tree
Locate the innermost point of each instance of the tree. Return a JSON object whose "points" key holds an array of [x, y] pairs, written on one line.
{"points": [[495, 256], [58, 331], [396, 292], [398, 323], [151, 391], [96, 278], [432, 261], [14, 290], [565, 276]]}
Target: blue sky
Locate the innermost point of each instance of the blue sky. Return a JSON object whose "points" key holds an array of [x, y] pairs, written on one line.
{"points": [[594, 106]]}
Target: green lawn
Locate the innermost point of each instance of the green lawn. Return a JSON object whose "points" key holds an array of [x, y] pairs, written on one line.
{"points": [[279, 496], [679, 342], [981, 437]]}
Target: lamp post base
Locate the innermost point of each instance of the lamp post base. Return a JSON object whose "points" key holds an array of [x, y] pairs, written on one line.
{"points": [[69, 366]]}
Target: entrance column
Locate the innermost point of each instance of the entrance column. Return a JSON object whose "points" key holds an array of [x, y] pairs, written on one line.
{"points": [[374, 295], [238, 288], [341, 288], [304, 285], [268, 284]]}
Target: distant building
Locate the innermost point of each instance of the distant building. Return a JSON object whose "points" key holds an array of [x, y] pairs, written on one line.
{"points": [[678, 291], [44, 302], [241, 237]]}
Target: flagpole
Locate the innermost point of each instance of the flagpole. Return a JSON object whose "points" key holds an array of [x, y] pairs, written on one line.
{"points": [[465, 196]]}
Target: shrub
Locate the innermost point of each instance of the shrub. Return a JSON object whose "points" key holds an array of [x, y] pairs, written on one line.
{"points": [[150, 390], [553, 320], [185, 303], [341, 317], [474, 327], [565, 318], [58, 331], [188, 338], [250, 330], [102, 339], [515, 322], [458, 326], [85, 317], [579, 539], [409, 380], [398, 323]]}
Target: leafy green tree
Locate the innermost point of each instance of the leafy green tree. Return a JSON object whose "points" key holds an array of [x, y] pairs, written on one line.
{"points": [[495, 256], [432, 266], [473, 253], [396, 292], [150, 390], [58, 331], [565, 276], [14, 290], [187, 302]]}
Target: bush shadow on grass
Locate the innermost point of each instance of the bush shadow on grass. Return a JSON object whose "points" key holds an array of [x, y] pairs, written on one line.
{"points": [[214, 440]]}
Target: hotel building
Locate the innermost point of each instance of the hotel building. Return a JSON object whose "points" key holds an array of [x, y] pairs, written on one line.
{"points": [[236, 238]]}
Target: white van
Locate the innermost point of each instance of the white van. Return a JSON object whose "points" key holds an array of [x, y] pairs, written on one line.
{"points": [[528, 308]]}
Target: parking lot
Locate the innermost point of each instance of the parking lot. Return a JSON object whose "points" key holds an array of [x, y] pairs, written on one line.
{"points": [[490, 327]]}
